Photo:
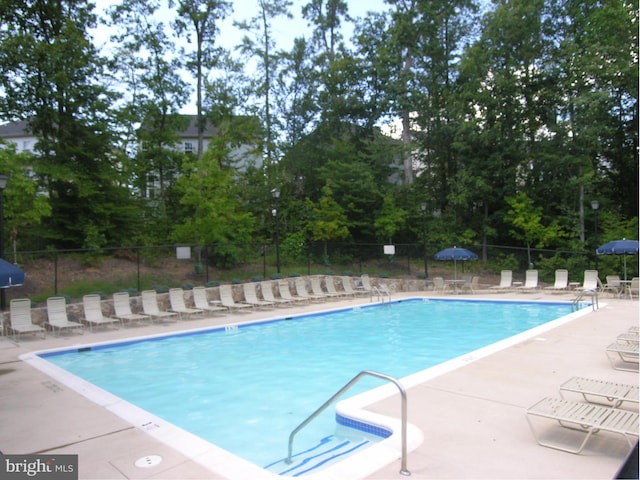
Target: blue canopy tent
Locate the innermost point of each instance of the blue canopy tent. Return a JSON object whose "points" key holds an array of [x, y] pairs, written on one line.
{"points": [[10, 275]]}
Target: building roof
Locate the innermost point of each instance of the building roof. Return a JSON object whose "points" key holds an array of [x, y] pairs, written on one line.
{"points": [[16, 129]]}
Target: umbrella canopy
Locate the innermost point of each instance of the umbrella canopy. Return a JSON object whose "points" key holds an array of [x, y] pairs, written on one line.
{"points": [[10, 275], [456, 254], [619, 247]]}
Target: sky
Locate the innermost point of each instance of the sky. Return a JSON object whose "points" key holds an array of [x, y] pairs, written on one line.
{"points": [[285, 30]]}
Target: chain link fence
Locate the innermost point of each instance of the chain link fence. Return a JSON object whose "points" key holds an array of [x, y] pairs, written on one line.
{"points": [[74, 273]]}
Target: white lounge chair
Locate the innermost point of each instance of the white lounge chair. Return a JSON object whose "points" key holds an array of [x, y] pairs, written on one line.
{"points": [[57, 315], [439, 285], [285, 292], [613, 285], [150, 307], [316, 289], [93, 316], [176, 300], [365, 283], [201, 301], [584, 417], [347, 286], [122, 308], [251, 296], [607, 393], [226, 297], [266, 288], [506, 277], [590, 282], [628, 337], [472, 285], [623, 356], [301, 290], [330, 285], [634, 287], [561, 281], [530, 281], [20, 318]]}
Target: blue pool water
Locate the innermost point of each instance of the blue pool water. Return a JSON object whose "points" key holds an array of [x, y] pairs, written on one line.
{"points": [[246, 388]]}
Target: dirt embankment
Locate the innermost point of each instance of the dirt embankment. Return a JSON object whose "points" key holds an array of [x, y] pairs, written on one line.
{"points": [[46, 277]]}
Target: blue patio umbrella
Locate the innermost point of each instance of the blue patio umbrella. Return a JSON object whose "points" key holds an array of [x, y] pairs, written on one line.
{"points": [[10, 275], [456, 254], [619, 247]]}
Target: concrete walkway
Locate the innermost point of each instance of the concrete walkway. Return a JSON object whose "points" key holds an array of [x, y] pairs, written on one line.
{"points": [[472, 418]]}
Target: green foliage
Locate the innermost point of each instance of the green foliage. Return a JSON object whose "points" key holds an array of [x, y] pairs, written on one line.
{"points": [[210, 211], [23, 206], [329, 221], [507, 124], [389, 220], [294, 245], [505, 262], [527, 223]]}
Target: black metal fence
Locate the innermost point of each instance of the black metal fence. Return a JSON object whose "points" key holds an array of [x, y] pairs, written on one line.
{"points": [[77, 272]]}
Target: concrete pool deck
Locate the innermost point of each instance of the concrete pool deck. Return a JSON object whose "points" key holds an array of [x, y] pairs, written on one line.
{"points": [[472, 418]]}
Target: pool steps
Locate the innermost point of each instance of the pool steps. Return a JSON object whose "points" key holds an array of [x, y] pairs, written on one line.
{"points": [[329, 450]]}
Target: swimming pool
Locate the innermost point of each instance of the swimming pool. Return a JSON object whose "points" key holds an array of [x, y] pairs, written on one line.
{"points": [[328, 349]]}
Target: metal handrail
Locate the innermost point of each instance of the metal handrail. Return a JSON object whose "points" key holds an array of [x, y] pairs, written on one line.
{"points": [[594, 300], [381, 291], [403, 395]]}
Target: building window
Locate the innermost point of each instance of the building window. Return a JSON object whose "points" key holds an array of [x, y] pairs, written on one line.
{"points": [[188, 147]]}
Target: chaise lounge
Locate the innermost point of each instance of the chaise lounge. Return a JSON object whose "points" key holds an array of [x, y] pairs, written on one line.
{"points": [[623, 355], [561, 282], [506, 277], [93, 316], [20, 318], [122, 308], [599, 391], [201, 301], [57, 315], [586, 418]]}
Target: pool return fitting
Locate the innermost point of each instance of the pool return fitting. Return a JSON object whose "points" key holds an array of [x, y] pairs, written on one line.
{"points": [[403, 394]]}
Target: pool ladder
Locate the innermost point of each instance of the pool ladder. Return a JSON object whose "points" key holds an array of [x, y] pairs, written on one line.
{"points": [[403, 394], [575, 305], [381, 292]]}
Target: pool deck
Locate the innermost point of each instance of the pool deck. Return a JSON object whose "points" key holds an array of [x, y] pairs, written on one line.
{"points": [[472, 418]]}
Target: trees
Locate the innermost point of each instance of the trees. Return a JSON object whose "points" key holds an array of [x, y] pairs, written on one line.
{"points": [[24, 208], [210, 212], [537, 98], [52, 76], [262, 46], [528, 226], [198, 20]]}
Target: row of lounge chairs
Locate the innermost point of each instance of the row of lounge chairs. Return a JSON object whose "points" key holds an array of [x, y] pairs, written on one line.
{"points": [[591, 283], [20, 315], [602, 406]]}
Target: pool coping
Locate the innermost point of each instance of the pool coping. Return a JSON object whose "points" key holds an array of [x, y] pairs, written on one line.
{"points": [[359, 465]]}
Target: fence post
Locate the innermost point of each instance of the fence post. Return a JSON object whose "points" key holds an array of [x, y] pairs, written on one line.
{"points": [[138, 266], [55, 274]]}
